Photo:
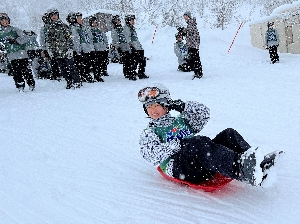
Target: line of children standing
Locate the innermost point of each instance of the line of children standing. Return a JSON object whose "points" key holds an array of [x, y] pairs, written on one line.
{"points": [[74, 52], [125, 40]]}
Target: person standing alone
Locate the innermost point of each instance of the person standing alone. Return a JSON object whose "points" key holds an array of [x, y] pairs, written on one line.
{"points": [[272, 42], [193, 43]]}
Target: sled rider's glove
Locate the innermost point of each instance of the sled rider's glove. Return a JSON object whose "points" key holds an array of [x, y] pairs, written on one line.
{"points": [[180, 29], [177, 105], [12, 41]]}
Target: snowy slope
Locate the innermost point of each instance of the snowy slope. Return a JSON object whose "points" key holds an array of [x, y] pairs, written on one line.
{"points": [[72, 156]]}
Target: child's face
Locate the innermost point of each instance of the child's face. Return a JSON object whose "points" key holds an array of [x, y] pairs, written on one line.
{"points": [[95, 24], [156, 110], [54, 16], [4, 22], [179, 39], [79, 19]]}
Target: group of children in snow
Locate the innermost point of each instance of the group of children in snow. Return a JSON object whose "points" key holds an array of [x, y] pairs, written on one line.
{"points": [[172, 143], [76, 51], [73, 51]]}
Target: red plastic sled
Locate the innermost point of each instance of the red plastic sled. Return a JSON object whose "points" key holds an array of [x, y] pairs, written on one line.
{"points": [[215, 183]]}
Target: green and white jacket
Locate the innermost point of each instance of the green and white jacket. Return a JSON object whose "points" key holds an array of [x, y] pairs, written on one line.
{"points": [[15, 50], [132, 38], [82, 38], [161, 139]]}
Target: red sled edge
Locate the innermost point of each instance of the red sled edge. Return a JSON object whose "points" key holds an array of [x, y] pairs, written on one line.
{"points": [[215, 183]]}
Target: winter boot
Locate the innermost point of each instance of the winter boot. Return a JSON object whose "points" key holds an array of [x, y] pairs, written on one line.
{"points": [[143, 76], [31, 88], [21, 89], [270, 160], [198, 75], [250, 170], [69, 85]]}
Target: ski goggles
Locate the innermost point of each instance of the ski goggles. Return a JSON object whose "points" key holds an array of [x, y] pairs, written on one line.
{"points": [[148, 93]]}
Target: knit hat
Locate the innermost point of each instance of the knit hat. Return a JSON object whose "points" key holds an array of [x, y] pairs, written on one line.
{"points": [[270, 24], [92, 20], [52, 12], [128, 18], [71, 18], [178, 35], [4, 15], [188, 13], [156, 93], [115, 19]]}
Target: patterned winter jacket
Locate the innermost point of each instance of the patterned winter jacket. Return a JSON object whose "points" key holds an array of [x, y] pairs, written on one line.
{"points": [[82, 38], [59, 39], [192, 34], [161, 139], [180, 50], [271, 37], [17, 49], [131, 37]]}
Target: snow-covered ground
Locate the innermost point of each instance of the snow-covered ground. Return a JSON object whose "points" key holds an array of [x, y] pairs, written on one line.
{"points": [[72, 156]]}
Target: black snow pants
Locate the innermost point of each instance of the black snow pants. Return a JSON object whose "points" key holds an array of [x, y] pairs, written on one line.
{"points": [[68, 70], [127, 64], [139, 61], [99, 60], [21, 73], [194, 60], [83, 65], [200, 157], [273, 53]]}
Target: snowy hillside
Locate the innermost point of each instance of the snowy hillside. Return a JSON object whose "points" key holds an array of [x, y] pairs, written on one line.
{"points": [[72, 156]]}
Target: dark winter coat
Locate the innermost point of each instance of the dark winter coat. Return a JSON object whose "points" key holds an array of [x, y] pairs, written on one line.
{"points": [[59, 39], [192, 34]]}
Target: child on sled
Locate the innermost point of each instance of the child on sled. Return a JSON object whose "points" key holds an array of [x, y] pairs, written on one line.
{"points": [[171, 142]]}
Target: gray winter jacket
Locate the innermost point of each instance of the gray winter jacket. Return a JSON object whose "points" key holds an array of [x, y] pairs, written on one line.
{"points": [[119, 39], [192, 34], [43, 36], [180, 50], [82, 38], [99, 39], [16, 50], [271, 37], [131, 37], [154, 150]]}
